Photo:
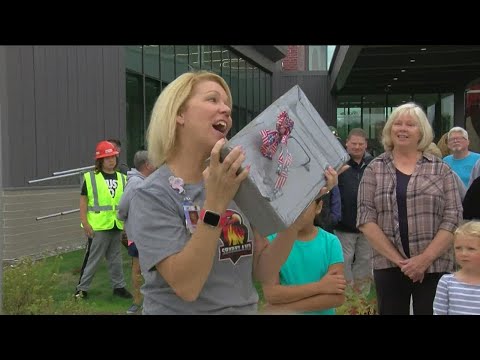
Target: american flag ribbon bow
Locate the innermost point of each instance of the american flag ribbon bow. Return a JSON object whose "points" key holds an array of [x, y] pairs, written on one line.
{"points": [[271, 140]]}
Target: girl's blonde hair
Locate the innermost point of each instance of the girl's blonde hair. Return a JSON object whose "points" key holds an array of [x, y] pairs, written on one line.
{"points": [[161, 132], [416, 113], [471, 228]]}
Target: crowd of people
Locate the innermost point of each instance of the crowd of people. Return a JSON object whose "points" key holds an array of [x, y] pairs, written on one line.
{"points": [[396, 220]]}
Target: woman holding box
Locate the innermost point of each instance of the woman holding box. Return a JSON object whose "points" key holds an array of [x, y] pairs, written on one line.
{"points": [[204, 266]]}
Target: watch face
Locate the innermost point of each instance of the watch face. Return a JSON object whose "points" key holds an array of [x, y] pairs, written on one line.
{"points": [[211, 218]]}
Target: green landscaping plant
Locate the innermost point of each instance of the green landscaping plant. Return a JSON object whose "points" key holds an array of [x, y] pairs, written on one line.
{"points": [[28, 290], [359, 300]]}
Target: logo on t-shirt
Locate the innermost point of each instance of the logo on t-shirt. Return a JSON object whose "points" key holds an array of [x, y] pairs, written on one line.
{"points": [[112, 186], [234, 237]]}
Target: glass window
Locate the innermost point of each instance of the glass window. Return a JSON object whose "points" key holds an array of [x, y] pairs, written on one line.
{"points": [[249, 83], [217, 59], [134, 58], [342, 126], [206, 59], [330, 51], [167, 65], [181, 59], [134, 114], [152, 90], [226, 66], [256, 91], [193, 56], [242, 94], [268, 87], [427, 102], [234, 60], [348, 114], [262, 91], [151, 60], [317, 58], [374, 121], [447, 113]]}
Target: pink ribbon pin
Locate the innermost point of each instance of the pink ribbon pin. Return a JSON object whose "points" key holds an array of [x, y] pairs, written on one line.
{"points": [[177, 184]]}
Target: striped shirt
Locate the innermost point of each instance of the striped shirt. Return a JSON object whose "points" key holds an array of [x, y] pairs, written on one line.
{"points": [[454, 297], [433, 203]]}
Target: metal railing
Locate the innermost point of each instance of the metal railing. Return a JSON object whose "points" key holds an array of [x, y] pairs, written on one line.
{"points": [[58, 175]]}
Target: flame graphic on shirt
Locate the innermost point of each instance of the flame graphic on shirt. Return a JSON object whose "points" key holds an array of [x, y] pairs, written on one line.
{"points": [[234, 237]]}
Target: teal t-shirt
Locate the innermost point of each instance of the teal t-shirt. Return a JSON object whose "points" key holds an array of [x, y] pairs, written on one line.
{"points": [[309, 261], [463, 167]]}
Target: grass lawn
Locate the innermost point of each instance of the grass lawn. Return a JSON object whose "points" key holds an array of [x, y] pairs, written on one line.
{"points": [[52, 282], [47, 287]]}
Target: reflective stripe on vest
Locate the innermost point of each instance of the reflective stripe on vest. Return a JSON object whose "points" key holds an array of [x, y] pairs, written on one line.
{"points": [[96, 207], [103, 217]]}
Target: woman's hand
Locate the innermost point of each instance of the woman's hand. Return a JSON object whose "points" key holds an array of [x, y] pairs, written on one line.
{"points": [[221, 179], [414, 267]]}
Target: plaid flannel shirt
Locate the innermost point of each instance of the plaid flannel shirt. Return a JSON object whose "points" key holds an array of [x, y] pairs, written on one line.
{"points": [[433, 203]]}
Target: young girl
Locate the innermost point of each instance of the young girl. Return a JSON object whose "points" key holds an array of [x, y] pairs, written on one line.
{"points": [[459, 293], [311, 281]]}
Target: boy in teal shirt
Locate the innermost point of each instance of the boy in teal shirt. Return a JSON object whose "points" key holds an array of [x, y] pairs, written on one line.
{"points": [[311, 281]]}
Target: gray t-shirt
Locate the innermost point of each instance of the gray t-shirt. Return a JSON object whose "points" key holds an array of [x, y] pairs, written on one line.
{"points": [[157, 223]]}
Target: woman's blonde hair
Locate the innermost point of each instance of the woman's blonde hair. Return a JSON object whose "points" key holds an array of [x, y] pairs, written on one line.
{"points": [[434, 150], [471, 228], [443, 146], [161, 132], [416, 113]]}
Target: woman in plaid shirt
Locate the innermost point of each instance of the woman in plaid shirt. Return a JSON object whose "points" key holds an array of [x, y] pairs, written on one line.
{"points": [[408, 208]]}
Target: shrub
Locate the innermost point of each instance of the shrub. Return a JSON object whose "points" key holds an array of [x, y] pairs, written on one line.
{"points": [[28, 289], [359, 300]]}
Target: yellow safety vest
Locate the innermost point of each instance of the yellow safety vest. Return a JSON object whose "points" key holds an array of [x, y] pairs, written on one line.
{"points": [[101, 207]]}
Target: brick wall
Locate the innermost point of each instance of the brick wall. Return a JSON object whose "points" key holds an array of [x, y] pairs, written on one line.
{"points": [[295, 59]]}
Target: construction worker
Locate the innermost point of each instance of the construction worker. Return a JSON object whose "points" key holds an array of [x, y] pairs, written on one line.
{"points": [[101, 192]]}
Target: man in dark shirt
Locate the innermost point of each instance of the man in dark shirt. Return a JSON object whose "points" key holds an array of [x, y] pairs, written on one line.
{"points": [[471, 210], [356, 249]]}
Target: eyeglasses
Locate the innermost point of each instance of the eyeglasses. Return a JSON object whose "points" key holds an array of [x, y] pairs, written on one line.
{"points": [[453, 139]]}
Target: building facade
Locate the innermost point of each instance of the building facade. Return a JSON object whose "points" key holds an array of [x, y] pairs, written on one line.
{"points": [[365, 84], [58, 102]]}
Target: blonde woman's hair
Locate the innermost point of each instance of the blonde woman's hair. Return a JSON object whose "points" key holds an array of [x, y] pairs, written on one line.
{"points": [[471, 228], [434, 150], [416, 112], [443, 146], [161, 132]]}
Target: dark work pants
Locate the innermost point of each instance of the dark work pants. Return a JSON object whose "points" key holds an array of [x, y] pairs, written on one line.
{"points": [[394, 290]]}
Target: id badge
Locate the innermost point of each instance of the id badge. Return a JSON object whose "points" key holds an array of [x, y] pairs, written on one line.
{"points": [[192, 215]]}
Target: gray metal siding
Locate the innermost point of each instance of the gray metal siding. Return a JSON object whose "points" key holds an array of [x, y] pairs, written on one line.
{"points": [[62, 100], [18, 141], [24, 236], [316, 87]]}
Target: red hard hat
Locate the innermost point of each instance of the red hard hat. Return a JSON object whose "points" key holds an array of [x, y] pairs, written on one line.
{"points": [[105, 149]]}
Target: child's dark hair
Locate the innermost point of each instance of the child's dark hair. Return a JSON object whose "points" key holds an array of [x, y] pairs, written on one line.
{"points": [[98, 165]]}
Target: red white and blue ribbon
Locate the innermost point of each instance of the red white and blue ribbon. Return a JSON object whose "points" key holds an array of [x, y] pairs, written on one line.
{"points": [[272, 139]]}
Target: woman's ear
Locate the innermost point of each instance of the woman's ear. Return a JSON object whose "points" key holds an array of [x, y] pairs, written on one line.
{"points": [[180, 119], [319, 207]]}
